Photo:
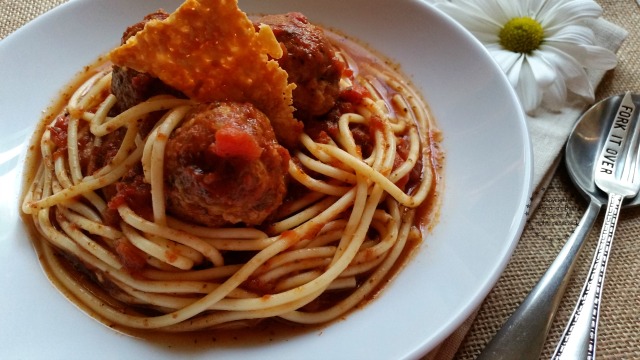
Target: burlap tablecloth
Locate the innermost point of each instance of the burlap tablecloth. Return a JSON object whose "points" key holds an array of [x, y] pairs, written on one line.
{"points": [[548, 227]]}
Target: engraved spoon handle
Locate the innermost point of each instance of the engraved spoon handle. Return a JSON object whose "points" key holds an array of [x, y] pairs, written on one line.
{"points": [[524, 334]]}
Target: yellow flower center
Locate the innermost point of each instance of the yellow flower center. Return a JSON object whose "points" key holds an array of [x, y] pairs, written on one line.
{"points": [[521, 35]]}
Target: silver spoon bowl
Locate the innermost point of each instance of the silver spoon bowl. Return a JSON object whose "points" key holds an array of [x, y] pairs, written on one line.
{"points": [[584, 145], [523, 335]]}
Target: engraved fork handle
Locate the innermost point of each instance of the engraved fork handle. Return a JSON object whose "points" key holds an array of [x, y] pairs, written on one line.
{"points": [[579, 338]]}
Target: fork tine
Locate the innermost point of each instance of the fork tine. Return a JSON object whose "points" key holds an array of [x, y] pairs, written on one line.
{"points": [[632, 159]]}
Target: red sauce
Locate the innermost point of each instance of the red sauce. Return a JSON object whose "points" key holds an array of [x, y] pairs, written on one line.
{"points": [[58, 132], [135, 193], [354, 94], [231, 142], [131, 257]]}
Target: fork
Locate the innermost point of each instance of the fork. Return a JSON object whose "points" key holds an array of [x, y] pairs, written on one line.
{"points": [[616, 173]]}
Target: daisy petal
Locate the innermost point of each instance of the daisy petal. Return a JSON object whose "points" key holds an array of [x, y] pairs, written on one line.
{"points": [[572, 34], [496, 10], [581, 86], [569, 52], [513, 73], [543, 73], [567, 66], [528, 90], [555, 96], [568, 12], [600, 58], [486, 37], [506, 59], [504, 10], [472, 21]]}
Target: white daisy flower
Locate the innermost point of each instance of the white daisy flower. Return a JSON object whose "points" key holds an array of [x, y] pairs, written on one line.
{"points": [[544, 46]]}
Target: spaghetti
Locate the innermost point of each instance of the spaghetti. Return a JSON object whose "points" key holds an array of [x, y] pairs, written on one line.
{"points": [[351, 211]]}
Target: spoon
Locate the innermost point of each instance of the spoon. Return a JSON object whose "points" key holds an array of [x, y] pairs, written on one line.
{"points": [[523, 335]]}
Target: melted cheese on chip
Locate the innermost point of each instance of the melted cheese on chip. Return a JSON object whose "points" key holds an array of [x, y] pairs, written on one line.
{"points": [[210, 50]]}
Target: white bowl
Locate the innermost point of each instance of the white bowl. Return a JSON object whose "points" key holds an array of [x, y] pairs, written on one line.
{"points": [[487, 183]]}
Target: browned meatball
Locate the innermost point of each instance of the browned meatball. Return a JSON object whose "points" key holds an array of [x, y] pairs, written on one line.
{"points": [[159, 14], [130, 86], [310, 61], [223, 165]]}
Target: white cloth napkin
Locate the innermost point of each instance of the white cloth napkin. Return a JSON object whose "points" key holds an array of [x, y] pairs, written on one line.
{"points": [[549, 132]]}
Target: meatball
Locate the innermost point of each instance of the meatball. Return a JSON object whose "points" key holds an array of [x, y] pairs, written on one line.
{"points": [[310, 60], [137, 27], [224, 166], [130, 86]]}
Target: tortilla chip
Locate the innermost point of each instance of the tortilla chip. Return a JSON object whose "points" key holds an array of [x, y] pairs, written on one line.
{"points": [[210, 50]]}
